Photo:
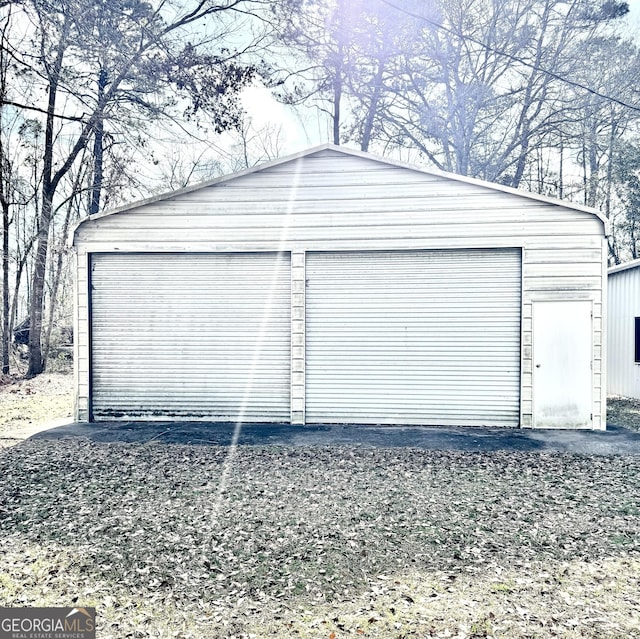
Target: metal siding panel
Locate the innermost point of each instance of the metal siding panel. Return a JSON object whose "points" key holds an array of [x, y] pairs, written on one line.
{"points": [[313, 214], [191, 336], [624, 306], [355, 199], [414, 337]]}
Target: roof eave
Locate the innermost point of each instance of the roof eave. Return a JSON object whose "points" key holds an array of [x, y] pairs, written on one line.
{"points": [[624, 267]]}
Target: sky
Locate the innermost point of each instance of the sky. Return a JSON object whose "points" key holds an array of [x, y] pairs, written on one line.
{"points": [[265, 109]]}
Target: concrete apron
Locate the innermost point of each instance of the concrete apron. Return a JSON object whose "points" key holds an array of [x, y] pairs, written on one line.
{"points": [[613, 441]]}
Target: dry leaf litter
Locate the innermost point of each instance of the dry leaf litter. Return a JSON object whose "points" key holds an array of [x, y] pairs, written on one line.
{"points": [[322, 542]]}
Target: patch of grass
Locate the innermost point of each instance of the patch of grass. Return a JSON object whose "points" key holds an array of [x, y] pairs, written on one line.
{"points": [[624, 540], [502, 587], [629, 509], [482, 628]]}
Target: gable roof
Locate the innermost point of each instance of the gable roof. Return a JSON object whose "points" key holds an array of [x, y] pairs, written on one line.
{"points": [[346, 151], [624, 267]]}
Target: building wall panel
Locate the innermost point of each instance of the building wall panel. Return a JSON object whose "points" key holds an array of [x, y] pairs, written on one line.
{"points": [[624, 307]]}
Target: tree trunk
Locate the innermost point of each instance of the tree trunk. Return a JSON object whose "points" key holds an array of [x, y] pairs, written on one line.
{"points": [[584, 170], [58, 269], [337, 98], [613, 250], [339, 71], [49, 184], [561, 169], [5, 189], [36, 361], [98, 150], [522, 159], [53, 304], [612, 140], [594, 168], [373, 107], [22, 262], [6, 335]]}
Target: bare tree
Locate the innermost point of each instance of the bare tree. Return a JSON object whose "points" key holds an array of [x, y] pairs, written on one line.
{"points": [[318, 36], [5, 189], [136, 52], [13, 196], [254, 145]]}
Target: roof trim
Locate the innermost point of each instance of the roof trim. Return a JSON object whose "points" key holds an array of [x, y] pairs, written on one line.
{"points": [[624, 267], [347, 151]]}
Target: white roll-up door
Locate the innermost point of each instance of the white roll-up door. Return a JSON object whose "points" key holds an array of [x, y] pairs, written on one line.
{"points": [[414, 337], [190, 336]]}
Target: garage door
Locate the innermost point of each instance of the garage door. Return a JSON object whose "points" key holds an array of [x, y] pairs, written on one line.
{"points": [[191, 336], [414, 337]]}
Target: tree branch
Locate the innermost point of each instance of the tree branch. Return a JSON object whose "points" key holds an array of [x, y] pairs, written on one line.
{"points": [[38, 110]]}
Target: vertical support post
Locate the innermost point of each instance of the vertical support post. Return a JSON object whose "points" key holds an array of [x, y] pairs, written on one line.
{"points": [[81, 346], [600, 416], [298, 288]]}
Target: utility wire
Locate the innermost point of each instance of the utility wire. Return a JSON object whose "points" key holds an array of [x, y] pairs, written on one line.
{"points": [[510, 56]]}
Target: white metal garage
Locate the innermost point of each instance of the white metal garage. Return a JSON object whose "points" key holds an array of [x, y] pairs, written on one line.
{"points": [[196, 336], [414, 337], [334, 286]]}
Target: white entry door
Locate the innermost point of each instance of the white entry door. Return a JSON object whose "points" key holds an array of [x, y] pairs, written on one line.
{"points": [[562, 356]]}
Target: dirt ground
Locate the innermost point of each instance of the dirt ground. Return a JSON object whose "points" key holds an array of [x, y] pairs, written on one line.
{"points": [[30, 405], [194, 542]]}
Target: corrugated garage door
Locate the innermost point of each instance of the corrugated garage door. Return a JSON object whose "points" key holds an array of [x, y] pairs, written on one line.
{"points": [[193, 336], [414, 337]]}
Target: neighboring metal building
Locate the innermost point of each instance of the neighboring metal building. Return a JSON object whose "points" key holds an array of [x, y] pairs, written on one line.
{"points": [[623, 332], [333, 286]]}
